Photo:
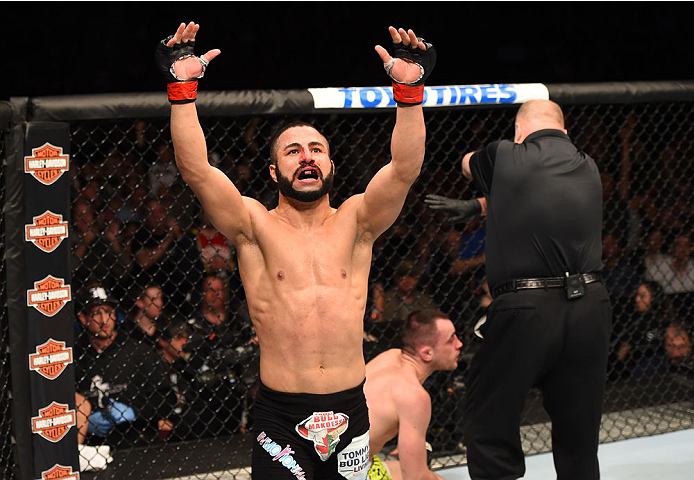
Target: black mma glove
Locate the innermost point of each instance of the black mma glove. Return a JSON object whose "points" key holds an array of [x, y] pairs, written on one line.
{"points": [[412, 93], [179, 90], [463, 209]]}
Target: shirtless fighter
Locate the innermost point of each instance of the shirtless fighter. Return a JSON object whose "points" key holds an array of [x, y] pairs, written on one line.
{"points": [[398, 403], [304, 265]]}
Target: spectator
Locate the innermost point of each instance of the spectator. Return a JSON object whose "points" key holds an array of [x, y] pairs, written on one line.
{"points": [[142, 324], [92, 193], [674, 355], [620, 277], [449, 279], [392, 305], [167, 255], [125, 392], [191, 417], [471, 252], [163, 173], [674, 272], [653, 249], [678, 347], [98, 254], [223, 356], [398, 301], [216, 253], [134, 201], [618, 217], [636, 329]]}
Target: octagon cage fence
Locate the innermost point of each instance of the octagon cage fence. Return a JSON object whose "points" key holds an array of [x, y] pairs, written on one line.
{"points": [[127, 204]]}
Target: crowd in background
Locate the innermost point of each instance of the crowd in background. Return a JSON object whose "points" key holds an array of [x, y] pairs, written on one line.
{"points": [[139, 234]]}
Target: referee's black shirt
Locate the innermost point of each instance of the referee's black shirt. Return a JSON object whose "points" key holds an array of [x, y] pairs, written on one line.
{"points": [[544, 207]]}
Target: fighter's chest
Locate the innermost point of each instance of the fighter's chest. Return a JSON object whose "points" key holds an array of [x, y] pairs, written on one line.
{"points": [[320, 258]]}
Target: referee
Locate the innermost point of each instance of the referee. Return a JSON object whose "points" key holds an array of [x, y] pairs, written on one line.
{"points": [[549, 324]]}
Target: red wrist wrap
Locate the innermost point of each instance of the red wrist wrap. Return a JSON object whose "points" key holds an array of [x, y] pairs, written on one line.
{"points": [[182, 92], [408, 94]]}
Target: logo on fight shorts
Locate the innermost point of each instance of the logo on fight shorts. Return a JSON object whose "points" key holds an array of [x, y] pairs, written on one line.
{"points": [[324, 430], [282, 455], [353, 461]]}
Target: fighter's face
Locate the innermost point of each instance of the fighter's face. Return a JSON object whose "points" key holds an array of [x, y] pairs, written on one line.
{"points": [[302, 158], [447, 349]]}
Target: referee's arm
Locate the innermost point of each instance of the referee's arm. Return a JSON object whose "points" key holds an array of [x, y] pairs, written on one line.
{"points": [[466, 165]]}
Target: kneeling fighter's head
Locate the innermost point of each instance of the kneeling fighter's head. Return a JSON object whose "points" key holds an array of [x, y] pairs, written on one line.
{"points": [[430, 334]]}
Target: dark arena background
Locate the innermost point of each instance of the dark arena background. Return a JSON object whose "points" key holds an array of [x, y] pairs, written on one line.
{"points": [[89, 177]]}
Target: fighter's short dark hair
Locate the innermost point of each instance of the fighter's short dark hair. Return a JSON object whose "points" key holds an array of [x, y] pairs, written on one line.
{"points": [[280, 129], [420, 328]]}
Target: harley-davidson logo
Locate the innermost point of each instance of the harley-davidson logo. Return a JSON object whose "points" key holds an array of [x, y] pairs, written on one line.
{"points": [[60, 472], [47, 231], [49, 295], [46, 163], [53, 422], [50, 359]]}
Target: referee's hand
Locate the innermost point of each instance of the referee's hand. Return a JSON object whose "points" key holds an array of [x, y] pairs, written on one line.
{"points": [[462, 210]]}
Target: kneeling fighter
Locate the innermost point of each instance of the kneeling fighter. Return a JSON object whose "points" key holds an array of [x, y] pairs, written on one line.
{"points": [[398, 403], [304, 265]]}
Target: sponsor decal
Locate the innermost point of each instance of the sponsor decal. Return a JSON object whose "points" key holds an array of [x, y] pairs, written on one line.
{"points": [[324, 430], [50, 359], [353, 461], [49, 295], [281, 455], [47, 231], [452, 95], [53, 422], [59, 472], [46, 163]]}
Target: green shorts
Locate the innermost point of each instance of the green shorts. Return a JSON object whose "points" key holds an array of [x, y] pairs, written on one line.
{"points": [[378, 470]]}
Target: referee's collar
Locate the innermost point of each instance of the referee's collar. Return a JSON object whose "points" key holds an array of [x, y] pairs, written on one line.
{"points": [[547, 132]]}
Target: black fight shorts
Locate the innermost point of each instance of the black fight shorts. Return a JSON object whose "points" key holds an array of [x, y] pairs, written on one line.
{"points": [[310, 437]]}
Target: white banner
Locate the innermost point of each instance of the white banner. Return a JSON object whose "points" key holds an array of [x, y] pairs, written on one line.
{"points": [[444, 96]]}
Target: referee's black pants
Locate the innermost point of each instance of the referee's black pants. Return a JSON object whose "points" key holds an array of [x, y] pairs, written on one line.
{"points": [[539, 338]]}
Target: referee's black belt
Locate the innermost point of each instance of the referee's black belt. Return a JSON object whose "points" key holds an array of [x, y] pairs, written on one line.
{"points": [[545, 282]]}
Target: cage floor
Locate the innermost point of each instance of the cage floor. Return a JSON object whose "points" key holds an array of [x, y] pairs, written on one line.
{"points": [[668, 455], [641, 443]]}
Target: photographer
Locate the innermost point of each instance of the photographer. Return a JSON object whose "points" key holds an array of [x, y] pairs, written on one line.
{"points": [[222, 359]]}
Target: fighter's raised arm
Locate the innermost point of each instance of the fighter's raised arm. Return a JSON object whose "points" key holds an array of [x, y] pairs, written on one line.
{"points": [[181, 68], [412, 62]]}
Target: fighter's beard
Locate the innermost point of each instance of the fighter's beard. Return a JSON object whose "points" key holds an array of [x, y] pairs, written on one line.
{"points": [[287, 188]]}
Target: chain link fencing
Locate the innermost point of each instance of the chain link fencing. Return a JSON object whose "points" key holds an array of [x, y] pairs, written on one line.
{"points": [[6, 462], [184, 375]]}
